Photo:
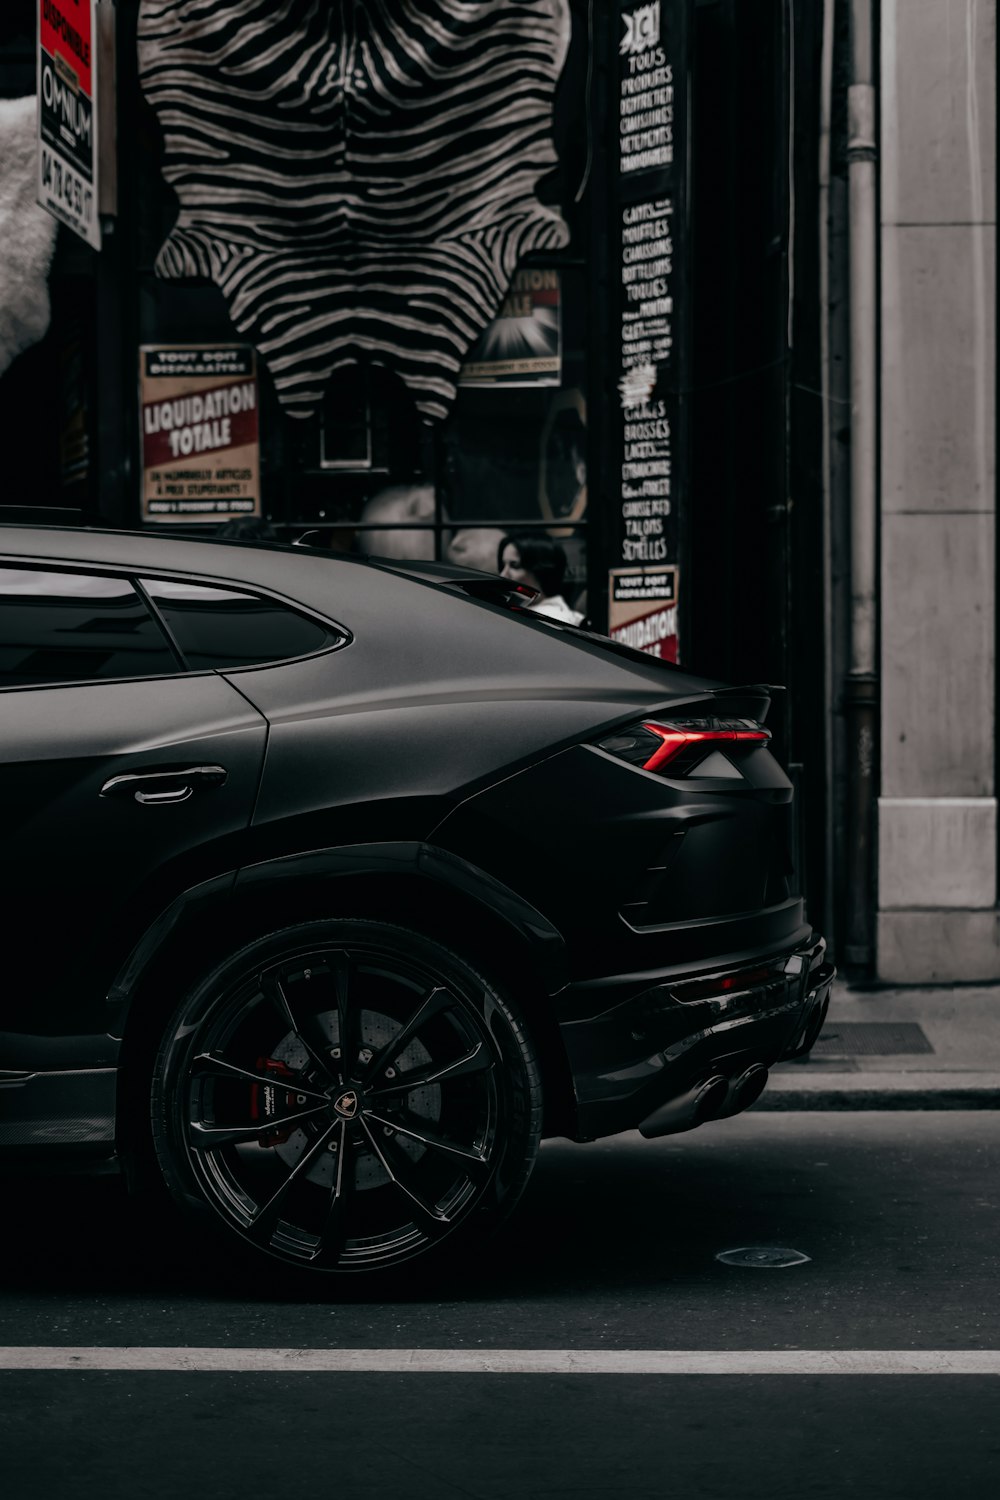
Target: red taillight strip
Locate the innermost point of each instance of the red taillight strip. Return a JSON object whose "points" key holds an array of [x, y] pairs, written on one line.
{"points": [[714, 986], [674, 740]]}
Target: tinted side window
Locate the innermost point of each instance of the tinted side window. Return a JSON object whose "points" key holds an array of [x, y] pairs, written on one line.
{"points": [[217, 627], [76, 627]]}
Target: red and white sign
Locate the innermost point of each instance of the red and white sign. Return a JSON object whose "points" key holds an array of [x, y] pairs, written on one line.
{"points": [[200, 433], [642, 610], [67, 114]]}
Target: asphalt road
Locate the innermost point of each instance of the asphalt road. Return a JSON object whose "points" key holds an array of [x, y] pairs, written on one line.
{"points": [[612, 1251]]}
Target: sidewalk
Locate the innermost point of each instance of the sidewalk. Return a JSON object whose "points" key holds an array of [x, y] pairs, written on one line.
{"points": [[935, 1048]]}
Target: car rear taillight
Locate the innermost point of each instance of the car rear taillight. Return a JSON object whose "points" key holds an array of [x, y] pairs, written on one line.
{"points": [[675, 747]]}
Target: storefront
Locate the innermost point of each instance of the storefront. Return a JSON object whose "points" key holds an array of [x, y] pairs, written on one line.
{"points": [[617, 194]]}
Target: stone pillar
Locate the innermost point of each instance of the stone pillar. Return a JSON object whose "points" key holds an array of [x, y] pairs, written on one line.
{"points": [[937, 865]]}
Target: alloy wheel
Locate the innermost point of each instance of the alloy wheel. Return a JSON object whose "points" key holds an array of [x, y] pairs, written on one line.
{"points": [[343, 1106]]}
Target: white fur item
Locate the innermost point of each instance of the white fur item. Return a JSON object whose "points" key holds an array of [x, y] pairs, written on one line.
{"points": [[27, 234], [395, 503]]}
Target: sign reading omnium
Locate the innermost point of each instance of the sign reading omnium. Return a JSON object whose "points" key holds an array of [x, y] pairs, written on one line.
{"points": [[67, 125]]}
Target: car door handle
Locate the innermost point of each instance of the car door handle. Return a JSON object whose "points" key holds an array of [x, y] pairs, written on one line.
{"points": [[160, 787]]}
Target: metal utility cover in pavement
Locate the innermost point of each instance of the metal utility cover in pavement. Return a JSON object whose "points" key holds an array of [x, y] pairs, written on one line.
{"points": [[763, 1257], [871, 1039]]}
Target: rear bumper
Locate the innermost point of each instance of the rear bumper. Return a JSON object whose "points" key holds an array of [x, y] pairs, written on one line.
{"points": [[694, 1046]]}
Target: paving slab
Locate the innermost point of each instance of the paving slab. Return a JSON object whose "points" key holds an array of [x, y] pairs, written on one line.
{"points": [[932, 1048]]}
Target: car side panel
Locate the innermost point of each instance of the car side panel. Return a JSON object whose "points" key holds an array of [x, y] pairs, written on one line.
{"points": [[85, 870], [592, 838], [394, 720]]}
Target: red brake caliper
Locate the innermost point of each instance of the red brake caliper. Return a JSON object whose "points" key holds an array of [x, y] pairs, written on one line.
{"points": [[265, 1099]]}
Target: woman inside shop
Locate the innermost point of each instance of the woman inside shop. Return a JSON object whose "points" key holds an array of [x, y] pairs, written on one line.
{"points": [[539, 563]]}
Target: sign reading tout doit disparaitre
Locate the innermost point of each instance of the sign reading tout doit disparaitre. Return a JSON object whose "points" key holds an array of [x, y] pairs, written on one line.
{"points": [[642, 610], [200, 435], [67, 122]]}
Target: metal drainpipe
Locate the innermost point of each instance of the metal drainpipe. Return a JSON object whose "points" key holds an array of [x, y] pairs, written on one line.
{"points": [[824, 230], [861, 700]]}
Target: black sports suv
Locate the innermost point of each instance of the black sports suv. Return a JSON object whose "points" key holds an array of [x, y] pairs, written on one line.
{"points": [[331, 886]]}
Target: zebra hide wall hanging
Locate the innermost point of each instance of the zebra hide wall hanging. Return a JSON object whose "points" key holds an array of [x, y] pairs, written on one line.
{"points": [[358, 176]]}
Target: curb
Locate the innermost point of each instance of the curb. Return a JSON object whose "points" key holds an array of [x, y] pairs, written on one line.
{"points": [[856, 1091]]}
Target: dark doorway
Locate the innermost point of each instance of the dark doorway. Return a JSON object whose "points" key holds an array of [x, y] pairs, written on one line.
{"points": [[755, 523]]}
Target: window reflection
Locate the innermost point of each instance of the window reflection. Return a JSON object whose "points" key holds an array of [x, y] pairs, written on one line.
{"points": [[219, 628], [75, 627]]}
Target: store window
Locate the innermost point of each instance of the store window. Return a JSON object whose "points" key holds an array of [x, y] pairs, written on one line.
{"points": [[516, 444], [510, 459]]}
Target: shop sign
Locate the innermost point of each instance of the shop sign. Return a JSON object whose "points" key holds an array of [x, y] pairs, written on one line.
{"points": [[523, 344], [651, 380], [199, 428], [642, 610], [67, 115], [646, 102]]}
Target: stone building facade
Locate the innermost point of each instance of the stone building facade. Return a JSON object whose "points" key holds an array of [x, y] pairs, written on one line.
{"points": [[937, 818]]}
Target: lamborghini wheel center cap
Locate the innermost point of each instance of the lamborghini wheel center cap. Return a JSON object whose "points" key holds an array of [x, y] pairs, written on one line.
{"points": [[346, 1104]]}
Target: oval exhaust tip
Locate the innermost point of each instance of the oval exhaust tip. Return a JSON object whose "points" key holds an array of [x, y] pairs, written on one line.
{"points": [[750, 1086], [710, 1098]]}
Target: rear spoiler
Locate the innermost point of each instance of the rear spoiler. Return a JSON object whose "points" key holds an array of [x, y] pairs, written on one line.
{"points": [[749, 702]]}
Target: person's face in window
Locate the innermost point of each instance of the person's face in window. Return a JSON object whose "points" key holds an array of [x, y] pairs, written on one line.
{"points": [[513, 569]]}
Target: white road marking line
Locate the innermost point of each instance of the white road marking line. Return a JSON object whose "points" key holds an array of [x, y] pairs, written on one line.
{"points": [[512, 1361]]}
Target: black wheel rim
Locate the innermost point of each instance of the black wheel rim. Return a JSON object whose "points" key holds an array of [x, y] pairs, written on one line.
{"points": [[342, 1108]]}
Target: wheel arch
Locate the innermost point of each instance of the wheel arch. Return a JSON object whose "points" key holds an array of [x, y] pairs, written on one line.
{"points": [[416, 885]]}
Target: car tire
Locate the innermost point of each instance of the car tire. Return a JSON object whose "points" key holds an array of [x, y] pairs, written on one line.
{"points": [[347, 1095]]}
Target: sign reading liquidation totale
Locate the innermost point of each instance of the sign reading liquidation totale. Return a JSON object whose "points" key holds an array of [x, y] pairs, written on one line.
{"points": [[67, 118], [200, 439], [650, 207]]}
